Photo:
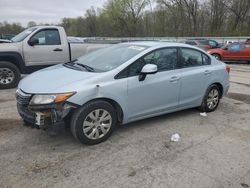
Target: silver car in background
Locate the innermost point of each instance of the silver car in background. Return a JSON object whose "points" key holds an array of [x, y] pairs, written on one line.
{"points": [[121, 84]]}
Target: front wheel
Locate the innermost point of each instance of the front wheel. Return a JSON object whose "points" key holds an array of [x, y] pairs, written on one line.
{"points": [[211, 99], [94, 122], [217, 56], [9, 75]]}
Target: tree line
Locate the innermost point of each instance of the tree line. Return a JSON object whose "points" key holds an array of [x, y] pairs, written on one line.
{"points": [[158, 18]]}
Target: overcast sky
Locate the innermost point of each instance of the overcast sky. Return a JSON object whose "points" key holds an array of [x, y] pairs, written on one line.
{"points": [[44, 11]]}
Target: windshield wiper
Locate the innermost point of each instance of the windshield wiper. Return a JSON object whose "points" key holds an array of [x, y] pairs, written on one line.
{"points": [[88, 68], [71, 62], [71, 65]]}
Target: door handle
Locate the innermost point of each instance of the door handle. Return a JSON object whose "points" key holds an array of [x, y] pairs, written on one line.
{"points": [[206, 72], [58, 50], [174, 78]]}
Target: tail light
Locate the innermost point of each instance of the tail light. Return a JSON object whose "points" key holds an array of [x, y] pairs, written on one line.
{"points": [[228, 69]]}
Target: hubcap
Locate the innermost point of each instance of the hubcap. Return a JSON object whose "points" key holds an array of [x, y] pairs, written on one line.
{"points": [[6, 76], [97, 124], [212, 99]]}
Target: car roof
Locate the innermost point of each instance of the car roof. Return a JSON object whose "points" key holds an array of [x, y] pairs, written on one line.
{"points": [[159, 44], [46, 27]]}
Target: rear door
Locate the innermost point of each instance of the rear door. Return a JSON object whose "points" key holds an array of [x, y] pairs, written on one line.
{"points": [[49, 50], [196, 73]]}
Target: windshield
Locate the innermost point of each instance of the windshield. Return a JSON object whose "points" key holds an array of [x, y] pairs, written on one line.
{"points": [[109, 58], [21, 36]]}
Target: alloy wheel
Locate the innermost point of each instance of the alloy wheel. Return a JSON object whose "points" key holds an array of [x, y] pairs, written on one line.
{"points": [[212, 99], [97, 124]]}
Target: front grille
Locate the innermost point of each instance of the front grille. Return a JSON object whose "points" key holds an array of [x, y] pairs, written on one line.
{"points": [[26, 114], [22, 98]]}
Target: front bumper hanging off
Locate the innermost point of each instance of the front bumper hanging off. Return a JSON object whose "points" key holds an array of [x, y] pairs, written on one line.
{"points": [[44, 116]]}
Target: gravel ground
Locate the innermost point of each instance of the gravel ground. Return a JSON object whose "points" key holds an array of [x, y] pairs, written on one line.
{"points": [[213, 151]]}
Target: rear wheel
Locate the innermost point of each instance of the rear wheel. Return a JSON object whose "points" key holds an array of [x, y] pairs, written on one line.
{"points": [[94, 122], [211, 99], [217, 56], [9, 75]]}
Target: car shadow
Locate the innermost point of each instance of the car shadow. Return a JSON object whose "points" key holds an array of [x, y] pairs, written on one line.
{"points": [[64, 135], [161, 118]]}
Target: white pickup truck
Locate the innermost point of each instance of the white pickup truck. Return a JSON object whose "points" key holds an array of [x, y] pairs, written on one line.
{"points": [[36, 48]]}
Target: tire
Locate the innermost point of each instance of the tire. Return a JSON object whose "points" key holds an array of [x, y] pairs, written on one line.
{"points": [[9, 75], [210, 102], [26, 123], [89, 126], [217, 56]]}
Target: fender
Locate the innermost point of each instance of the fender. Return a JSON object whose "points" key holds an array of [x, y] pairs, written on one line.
{"points": [[16, 59]]}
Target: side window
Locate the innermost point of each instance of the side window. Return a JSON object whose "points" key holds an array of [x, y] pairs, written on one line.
{"points": [[191, 58], [40, 36], [165, 59], [48, 37], [235, 47], [136, 67], [206, 60]]}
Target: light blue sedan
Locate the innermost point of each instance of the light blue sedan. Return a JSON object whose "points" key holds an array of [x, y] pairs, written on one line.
{"points": [[121, 84]]}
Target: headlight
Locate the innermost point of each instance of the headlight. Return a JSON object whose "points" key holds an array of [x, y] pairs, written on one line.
{"points": [[50, 98]]}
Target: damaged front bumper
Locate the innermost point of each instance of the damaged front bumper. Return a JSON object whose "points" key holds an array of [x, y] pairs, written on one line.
{"points": [[43, 116]]}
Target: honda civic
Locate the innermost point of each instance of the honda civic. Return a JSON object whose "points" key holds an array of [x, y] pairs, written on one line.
{"points": [[119, 84]]}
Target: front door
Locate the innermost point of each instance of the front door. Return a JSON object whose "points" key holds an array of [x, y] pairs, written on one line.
{"points": [[158, 92], [48, 51]]}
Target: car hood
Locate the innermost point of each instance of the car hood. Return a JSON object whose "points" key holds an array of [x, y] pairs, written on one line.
{"points": [[216, 50], [54, 80], [10, 47], [5, 41]]}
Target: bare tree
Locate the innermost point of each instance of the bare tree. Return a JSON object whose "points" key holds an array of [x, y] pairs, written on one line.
{"points": [[168, 18], [126, 13], [91, 22], [239, 9]]}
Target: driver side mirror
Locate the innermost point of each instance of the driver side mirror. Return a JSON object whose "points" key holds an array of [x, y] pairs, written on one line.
{"points": [[147, 69], [33, 41]]}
